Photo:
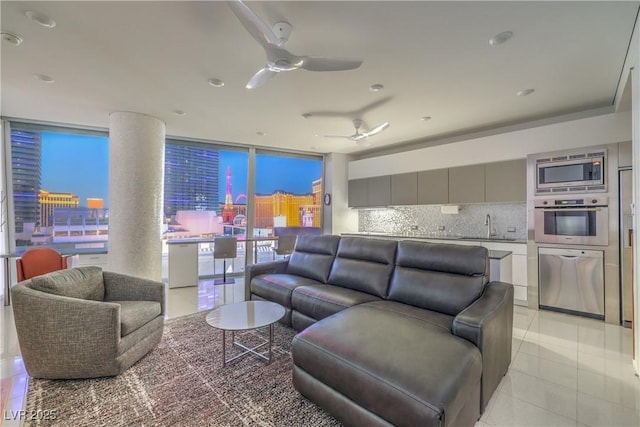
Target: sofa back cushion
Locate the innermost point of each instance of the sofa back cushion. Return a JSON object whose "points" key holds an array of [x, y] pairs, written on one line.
{"points": [[440, 277], [313, 256], [364, 265], [82, 282]]}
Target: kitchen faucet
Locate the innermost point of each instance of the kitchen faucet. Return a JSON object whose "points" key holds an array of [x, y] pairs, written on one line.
{"points": [[487, 222]]}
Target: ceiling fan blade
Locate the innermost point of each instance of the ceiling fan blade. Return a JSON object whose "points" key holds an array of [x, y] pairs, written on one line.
{"points": [[377, 129], [260, 78], [256, 26], [337, 136], [311, 63]]}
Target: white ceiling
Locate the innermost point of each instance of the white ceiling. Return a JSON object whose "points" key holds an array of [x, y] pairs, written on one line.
{"points": [[433, 58]]}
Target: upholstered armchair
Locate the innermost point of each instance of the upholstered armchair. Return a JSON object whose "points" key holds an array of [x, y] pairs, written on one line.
{"points": [[38, 261], [85, 323]]}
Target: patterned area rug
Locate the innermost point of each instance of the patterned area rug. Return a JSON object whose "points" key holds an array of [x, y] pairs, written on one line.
{"points": [[182, 382]]}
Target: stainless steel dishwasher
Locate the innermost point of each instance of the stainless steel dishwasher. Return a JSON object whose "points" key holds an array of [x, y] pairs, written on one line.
{"points": [[572, 281]]}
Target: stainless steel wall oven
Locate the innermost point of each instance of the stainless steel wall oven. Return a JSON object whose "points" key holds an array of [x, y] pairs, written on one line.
{"points": [[583, 221]]}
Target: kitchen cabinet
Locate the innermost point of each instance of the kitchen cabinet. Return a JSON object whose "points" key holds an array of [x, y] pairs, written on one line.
{"points": [[358, 193], [466, 184], [433, 187], [379, 191], [183, 263], [84, 260], [624, 155], [490, 182], [404, 189], [506, 181], [370, 192], [518, 267]]}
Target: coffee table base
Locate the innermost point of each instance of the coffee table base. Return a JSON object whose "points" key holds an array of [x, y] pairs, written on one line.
{"points": [[247, 350]]}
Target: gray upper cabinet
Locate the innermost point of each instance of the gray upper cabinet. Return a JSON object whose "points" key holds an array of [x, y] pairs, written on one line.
{"points": [[624, 154], [506, 181], [404, 189], [433, 187], [380, 190], [466, 184], [358, 193]]}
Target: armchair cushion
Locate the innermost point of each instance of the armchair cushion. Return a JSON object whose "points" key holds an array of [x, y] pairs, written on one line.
{"points": [[134, 314], [82, 282]]}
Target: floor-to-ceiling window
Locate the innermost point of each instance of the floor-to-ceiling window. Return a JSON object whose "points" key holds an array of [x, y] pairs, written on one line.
{"points": [[205, 187], [287, 199], [59, 187], [59, 193]]}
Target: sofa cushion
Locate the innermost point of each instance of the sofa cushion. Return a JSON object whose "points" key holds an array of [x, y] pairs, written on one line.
{"points": [[440, 277], [81, 282], [320, 301], [364, 264], [134, 314], [442, 320], [278, 287], [313, 256], [405, 370]]}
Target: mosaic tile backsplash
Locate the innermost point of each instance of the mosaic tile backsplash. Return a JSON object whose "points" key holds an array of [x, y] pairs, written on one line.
{"points": [[430, 221]]}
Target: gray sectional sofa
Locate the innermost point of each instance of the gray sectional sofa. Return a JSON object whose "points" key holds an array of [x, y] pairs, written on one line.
{"points": [[392, 333]]}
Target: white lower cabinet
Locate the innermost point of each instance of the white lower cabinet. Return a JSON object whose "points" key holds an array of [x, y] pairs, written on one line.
{"points": [[519, 268], [84, 260]]}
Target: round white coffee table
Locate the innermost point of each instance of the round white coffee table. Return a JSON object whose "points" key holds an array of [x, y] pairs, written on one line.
{"points": [[244, 316]]}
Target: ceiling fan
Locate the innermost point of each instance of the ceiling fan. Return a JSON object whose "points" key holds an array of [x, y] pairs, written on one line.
{"points": [[278, 58], [360, 138]]}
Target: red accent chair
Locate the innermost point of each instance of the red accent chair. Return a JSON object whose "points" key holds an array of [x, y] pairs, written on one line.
{"points": [[38, 261]]}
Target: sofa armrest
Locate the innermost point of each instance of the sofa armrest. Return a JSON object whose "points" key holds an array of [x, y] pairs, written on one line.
{"points": [[55, 332], [253, 270], [488, 323], [122, 287]]}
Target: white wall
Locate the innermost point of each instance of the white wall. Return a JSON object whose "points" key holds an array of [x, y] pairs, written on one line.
{"points": [[598, 130], [338, 218]]}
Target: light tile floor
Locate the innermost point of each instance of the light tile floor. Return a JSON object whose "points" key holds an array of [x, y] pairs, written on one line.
{"points": [[565, 370]]}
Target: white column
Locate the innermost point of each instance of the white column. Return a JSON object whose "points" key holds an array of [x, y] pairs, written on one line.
{"points": [[136, 187]]}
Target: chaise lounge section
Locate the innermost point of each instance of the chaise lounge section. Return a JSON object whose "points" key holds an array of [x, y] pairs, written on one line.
{"points": [[392, 333]]}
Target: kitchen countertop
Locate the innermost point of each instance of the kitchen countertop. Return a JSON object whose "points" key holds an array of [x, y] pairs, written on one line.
{"points": [[499, 254], [436, 237]]}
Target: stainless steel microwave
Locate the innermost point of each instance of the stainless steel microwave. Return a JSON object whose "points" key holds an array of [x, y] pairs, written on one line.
{"points": [[573, 173]]}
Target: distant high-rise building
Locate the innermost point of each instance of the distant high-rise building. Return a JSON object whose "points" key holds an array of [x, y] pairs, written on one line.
{"points": [[190, 179], [26, 148], [49, 201], [95, 203], [285, 204]]}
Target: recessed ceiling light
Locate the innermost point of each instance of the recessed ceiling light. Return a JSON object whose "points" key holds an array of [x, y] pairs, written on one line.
{"points": [[216, 82], [179, 113], [40, 19], [425, 118], [260, 133], [500, 38], [43, 78], [11, 38], [376, 87], [525, 92]]}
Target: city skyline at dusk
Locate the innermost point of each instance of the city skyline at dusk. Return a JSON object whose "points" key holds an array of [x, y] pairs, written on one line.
{"points": [[79, 164]]}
